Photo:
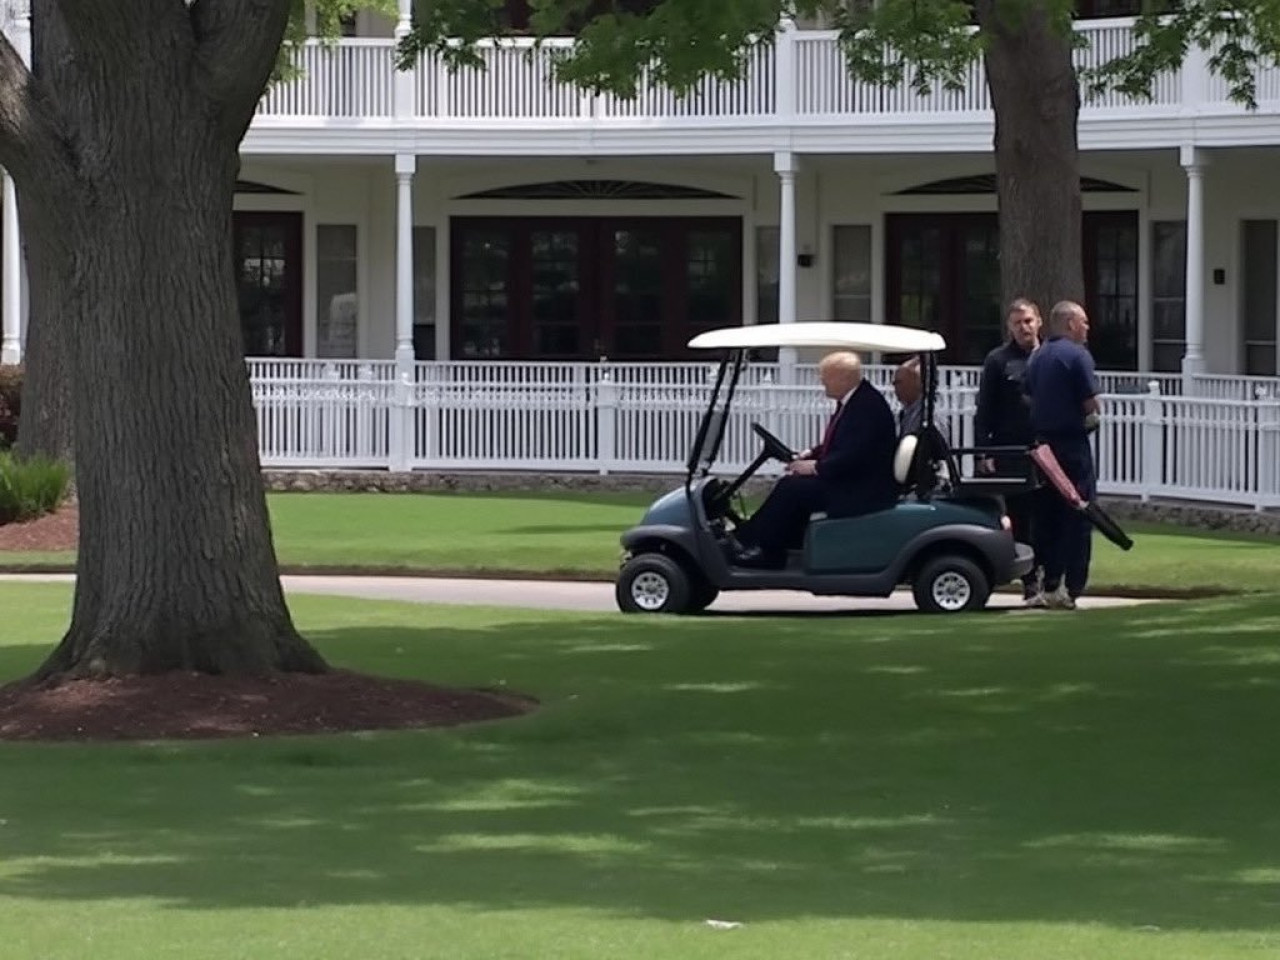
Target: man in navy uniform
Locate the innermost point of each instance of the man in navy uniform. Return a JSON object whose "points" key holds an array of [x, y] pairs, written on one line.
{"points": [[849, 473], [1003, 418], [1063, 389]]}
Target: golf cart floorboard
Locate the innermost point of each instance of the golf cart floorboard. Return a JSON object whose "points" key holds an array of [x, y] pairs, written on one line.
{"points": [[794, 577]]}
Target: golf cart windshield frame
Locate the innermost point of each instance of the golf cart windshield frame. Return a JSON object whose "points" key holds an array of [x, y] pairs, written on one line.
{"points": [[707, 442]]}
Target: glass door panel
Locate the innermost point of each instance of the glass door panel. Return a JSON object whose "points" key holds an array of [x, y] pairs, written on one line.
{"points": [[556, 293], [920, 292], [979, 326], [483, 294], [636, 292], [1111, 285], [712, 266]]}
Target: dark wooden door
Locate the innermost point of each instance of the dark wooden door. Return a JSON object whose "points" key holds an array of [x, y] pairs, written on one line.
{"points": [[267, 250], [943, 274], [579, 288]]}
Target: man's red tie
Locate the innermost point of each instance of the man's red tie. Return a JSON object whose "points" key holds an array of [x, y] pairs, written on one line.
{"points": [[831, 427]]}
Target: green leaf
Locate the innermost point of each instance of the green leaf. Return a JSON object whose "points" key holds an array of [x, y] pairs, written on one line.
{"points": [[1237, 38]]}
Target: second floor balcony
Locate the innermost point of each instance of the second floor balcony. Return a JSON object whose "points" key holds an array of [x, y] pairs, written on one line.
{"points": [[797, 94]]}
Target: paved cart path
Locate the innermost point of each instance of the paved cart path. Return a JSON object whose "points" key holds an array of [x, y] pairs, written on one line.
{"points": [[590, 597]]}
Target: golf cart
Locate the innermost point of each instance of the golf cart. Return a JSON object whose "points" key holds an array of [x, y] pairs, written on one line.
{"points": [[947, 537]]}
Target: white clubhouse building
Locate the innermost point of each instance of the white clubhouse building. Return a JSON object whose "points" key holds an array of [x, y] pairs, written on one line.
{"points": [[491, 270], [498, 215]]}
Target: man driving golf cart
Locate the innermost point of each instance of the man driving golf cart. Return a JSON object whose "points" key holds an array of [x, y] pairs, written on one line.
{"points": [[849, 473]]}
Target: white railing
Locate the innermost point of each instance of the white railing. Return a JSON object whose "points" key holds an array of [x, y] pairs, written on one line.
{"points": [[802, 78], [351, 78], [1219, 441]]}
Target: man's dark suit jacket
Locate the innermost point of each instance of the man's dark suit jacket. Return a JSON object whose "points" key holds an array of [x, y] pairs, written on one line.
{"points": [[855, 468]]}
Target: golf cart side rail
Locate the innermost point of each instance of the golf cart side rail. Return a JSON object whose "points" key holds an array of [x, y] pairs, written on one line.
{"points": [[994, 485]]}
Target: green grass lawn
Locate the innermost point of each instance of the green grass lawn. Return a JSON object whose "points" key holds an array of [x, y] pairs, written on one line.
{"points": [[1093, 785], [578, 535]]}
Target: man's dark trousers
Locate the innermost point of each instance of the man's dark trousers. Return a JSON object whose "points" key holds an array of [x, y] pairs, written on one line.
{"points": [[1023, 510], [1064, 536], [780, 522]]}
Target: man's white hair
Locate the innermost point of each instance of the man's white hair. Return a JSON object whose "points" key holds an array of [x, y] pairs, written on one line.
{"points": [[845, 361]]}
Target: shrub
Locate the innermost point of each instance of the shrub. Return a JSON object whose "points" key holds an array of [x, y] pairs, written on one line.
{"points": [[31, 488], [10, 404]]}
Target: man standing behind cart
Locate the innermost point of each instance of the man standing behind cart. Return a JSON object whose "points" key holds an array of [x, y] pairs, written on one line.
{"points": [[1063, 390], [1003, 418]]}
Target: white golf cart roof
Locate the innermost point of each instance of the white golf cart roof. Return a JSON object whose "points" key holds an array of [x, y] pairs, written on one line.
{"points": [[835, 335]]}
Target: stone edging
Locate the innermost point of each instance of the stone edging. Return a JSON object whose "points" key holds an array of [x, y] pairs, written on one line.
{"points": [[1206, 516]]}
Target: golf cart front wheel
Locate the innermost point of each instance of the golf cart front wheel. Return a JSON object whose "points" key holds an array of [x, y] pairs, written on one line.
{"points": [[653, 583], [951, 584]]}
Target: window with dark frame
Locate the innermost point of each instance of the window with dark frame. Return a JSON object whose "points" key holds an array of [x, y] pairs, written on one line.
{"points": [[851, 272], [767, 254], [1168, 294], [424, 293], [1259, 306]]}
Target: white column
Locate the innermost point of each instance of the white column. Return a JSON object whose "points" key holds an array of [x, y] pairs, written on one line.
{"points": [[1193, 162], [18, 31], [405, 166], [11, 342], [784, 164]]}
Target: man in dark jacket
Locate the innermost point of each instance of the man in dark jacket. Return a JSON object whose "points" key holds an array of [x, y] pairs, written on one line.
{"points": [[849, 473], [1003, 418]]}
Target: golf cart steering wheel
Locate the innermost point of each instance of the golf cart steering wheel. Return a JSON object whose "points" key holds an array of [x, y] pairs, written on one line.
{"points": [[773, 446]]}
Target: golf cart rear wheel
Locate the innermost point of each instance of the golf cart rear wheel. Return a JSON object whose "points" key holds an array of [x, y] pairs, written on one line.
{"points": [[653, 583], [951, 584]]}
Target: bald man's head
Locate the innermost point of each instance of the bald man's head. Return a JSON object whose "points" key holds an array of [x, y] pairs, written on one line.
{"points": [[1068, 319], [906, 382]]}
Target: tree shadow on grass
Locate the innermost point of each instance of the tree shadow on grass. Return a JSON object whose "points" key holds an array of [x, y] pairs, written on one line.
{"points": [[1112, 767]]}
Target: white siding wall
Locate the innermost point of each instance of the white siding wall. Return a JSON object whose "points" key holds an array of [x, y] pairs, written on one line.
{"points": [[829, 191]]}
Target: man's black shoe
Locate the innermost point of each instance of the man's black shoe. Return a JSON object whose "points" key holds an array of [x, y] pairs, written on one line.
{"points": [[758, 559]]}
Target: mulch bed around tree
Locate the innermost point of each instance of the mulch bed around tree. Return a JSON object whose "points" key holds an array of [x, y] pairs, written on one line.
{"points": [[54, 531], [190, 706]]}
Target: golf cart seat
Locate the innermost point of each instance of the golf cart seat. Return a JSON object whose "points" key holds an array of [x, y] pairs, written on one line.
{"points": [[903, 464], [904, 458]]}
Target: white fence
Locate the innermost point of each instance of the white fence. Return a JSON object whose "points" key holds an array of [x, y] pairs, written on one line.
{"points": [[1219, 441]]}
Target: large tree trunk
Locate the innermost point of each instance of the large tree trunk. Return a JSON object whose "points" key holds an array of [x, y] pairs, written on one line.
{"points": [[52, 312], [1035, 95], [176, 568]]}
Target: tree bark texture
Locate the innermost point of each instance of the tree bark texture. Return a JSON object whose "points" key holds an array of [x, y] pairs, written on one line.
{"points": [[176, 568], [1035, 95], [52, 312]]}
